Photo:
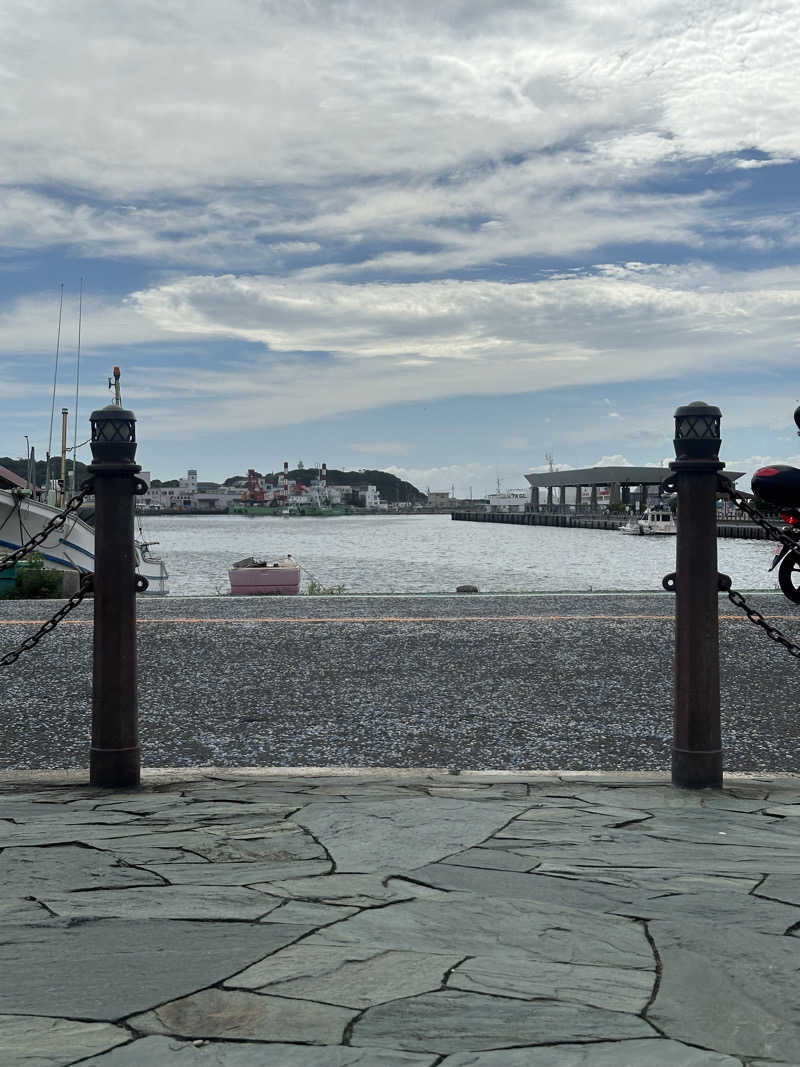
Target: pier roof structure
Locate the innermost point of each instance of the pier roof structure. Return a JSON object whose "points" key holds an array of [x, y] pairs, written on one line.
{"points": [[622, 476]]}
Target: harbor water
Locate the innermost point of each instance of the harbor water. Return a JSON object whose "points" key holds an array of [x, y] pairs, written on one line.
{"points": [[380, 554]]}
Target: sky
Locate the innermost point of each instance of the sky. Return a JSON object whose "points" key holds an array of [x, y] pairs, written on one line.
{"points": [[445, 240]]}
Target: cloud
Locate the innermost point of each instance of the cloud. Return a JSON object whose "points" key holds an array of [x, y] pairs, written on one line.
{"points": [[250, 92], [378, 448], [407, 137], [617, 460], [470, 479], [602, 326]]}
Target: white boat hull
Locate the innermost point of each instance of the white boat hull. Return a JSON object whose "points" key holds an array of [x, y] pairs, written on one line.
{"points": [[71, 546], [654, 522]]}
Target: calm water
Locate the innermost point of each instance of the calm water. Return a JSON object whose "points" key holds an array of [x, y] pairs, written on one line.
{"points": [[432, 554]]}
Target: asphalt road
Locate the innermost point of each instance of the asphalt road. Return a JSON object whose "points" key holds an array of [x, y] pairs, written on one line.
{"points": [[566, 681]]}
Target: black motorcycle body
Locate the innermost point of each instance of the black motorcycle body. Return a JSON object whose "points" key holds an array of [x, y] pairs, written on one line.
{"points": [[779, 484]]}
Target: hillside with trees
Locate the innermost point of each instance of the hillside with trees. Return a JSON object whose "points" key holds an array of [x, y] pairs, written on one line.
{"points": [[393, 490], [20, 468]]}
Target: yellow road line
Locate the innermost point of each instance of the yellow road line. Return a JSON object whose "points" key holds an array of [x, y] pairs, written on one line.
{"points": [[386, 618]]}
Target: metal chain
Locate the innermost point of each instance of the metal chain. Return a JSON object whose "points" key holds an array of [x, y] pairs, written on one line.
{"points": [[775, 534], [52, 622], [54, 524], [758, 619]]}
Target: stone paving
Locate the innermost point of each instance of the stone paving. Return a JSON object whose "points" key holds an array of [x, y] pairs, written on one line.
{"points": [[318, 918]]}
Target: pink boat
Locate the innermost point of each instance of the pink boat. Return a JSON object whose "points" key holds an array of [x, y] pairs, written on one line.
{"points": [[251, 577]]}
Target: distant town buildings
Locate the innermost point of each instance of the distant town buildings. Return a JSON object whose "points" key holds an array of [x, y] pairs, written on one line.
{"points": [[314, 493]]}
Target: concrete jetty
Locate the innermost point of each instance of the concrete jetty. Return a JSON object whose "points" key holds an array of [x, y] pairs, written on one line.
{"points": [[743, 528]]}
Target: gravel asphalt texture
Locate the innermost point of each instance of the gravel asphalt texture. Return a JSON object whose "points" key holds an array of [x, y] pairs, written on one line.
{"points": [[568, 681]]}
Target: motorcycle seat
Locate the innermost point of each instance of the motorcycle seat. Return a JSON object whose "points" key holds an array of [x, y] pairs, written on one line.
{"points": [[778, 484]]}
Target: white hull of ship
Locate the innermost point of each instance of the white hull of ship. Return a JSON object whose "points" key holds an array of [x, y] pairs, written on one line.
{"points": [[71, 546]]}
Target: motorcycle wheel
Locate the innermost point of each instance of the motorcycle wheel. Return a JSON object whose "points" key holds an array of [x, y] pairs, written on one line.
{"points": [[789, 577]]}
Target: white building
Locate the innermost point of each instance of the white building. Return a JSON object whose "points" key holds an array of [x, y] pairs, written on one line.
{"points": [[511, 500]]}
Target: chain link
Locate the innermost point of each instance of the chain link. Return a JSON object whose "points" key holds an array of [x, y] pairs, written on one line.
{"points": [[86, 579], [758, 619], [774, 533], [55, 523], [32, 641]]}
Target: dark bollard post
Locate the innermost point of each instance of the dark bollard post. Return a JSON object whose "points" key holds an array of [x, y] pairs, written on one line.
{"points": [[114, 759], [697, 751]]}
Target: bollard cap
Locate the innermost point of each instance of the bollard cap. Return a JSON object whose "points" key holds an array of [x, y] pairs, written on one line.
{"points": [[697, 433], [113, 435]]}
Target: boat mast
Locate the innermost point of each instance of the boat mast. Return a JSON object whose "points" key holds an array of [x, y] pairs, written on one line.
{"points": [[115, 386], [77, 393], [53, 402], [63, 489]]}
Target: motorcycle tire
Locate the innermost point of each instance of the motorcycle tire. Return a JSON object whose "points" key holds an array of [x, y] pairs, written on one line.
{"points": [[789, 577]]}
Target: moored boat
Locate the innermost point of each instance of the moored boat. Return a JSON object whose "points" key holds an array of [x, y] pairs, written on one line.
{"points": [[25, 511], [657, 519], [631, 527], [252, 577], [69, 547]]}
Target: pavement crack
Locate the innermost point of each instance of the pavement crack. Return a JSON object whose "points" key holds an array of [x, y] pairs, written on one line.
{"points": [[754, 891], [320, 844], [659, 970], [411, 881], [347, 1036], [449, 972], [629, 822], [41, 903]]}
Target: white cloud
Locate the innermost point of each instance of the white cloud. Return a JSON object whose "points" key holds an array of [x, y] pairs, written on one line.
{"points": [[617, 460], [469, 479], [501, 337], [487, 133]]}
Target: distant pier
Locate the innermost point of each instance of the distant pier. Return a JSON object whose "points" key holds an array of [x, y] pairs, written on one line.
{"points": [[603, 521]]}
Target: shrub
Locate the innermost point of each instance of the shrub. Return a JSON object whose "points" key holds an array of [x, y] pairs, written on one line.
{"points": [[36, 582], [316, 588]]}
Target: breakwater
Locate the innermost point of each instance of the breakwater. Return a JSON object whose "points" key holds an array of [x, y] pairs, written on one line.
{"points": [[741, 529]]}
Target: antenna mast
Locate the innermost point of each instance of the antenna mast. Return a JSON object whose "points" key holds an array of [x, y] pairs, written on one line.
{"points": [[115, 386], [53, 401], [77, 394]]}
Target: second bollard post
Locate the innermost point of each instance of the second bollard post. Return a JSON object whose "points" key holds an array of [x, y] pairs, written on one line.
{"points": [[114, 759], [697, 751]]}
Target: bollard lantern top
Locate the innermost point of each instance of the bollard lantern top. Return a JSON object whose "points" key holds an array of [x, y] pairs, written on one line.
{"points": [[113, 435], [697, 433]]}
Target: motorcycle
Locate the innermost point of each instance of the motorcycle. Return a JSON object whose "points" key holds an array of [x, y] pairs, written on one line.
{"points": [[779, 484]]}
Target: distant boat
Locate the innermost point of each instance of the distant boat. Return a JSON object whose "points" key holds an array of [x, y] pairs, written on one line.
{"points": [[657, 519], [252, 577], [69, 547]]}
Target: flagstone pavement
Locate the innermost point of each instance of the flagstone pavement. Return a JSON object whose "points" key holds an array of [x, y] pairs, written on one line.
{"points": [[329, 918]]}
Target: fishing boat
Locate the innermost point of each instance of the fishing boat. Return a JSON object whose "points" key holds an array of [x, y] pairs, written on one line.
{"points": [[657, 519], [69, 547], [26, 510], [252, 577]]}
